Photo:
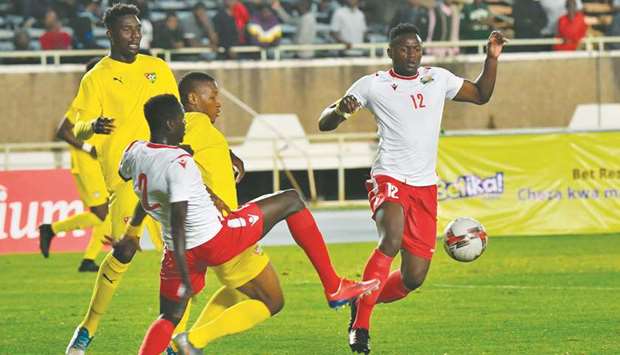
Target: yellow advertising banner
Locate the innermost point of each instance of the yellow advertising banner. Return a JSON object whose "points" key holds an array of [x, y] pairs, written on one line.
{"points": [[564, 183]]}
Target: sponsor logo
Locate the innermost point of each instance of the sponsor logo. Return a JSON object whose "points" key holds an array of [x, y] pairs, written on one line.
{"points": [[467, 186], [18, 221], [253, 218], [183, 163]]}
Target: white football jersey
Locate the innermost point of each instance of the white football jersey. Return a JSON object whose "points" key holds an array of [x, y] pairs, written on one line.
{"points": [[164, 174], [408, 112]]}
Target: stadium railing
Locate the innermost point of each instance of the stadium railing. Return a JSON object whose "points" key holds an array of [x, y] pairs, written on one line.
{"points": [[328, 152], [371, 50]]}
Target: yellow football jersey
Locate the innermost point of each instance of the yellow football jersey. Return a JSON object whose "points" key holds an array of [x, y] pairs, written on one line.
{"points": [[212, 155], [118, 90]]}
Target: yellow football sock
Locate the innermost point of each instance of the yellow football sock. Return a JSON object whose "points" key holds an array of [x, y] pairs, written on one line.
{"points": [[79, 221], [109, 276], [154, 229], [223, 298], [97, 238], [238, 318]]}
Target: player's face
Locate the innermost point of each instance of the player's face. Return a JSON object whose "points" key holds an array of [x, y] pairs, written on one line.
{"points": [[406, 54], [208, 99], [125, 36]]}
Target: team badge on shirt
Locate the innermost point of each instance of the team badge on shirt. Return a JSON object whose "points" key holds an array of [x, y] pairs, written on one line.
{"points": [[151, 77]]}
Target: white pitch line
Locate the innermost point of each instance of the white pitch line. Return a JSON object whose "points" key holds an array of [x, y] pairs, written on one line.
{"points": [[517, 287]]}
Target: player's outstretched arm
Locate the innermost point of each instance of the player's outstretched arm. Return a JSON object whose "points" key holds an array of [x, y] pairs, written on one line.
{"points": [[86, 129], [178, 215], [337, 113], [480, 91]]}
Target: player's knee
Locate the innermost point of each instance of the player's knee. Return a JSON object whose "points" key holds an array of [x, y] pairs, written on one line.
{"points": [[124, 252], [294, 200], [414, 281], [390, 244]]}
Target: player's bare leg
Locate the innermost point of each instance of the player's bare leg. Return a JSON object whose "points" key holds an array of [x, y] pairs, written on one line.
{"points": [[389, 219], [262, 299], [288, 205]]}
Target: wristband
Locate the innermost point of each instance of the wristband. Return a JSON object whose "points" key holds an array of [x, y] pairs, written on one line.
{"points": [[134, 231], [87, 147]]}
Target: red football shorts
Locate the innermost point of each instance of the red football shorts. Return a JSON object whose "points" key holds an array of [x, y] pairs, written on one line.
{"points": [[240, 230], [420, 209]]}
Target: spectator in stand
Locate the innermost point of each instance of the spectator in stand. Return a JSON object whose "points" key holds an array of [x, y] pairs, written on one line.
{"points": [[571, 28], [348, 26], [169, 34], [21, 41], [145, 22], [83, 25], [529, 20], [444, 23], [416, 13], [241, 15], [614, 28], [325, 11], [264, 29], [198, 26], [476, 21], [554, 9], [305, 22], [226, 29], [54, 37]]}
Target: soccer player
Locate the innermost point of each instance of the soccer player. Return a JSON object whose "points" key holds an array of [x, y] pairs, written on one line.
{"points": [[110, 100], [407, 102], [89, 180], [171, 190]]}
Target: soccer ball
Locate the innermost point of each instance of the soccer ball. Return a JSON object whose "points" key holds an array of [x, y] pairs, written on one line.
{"points": [[465, 239]]}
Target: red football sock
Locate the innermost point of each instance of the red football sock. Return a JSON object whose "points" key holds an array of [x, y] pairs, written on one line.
{"points": [[157, 337], [394, 288], [307, 235], [377, 267]]}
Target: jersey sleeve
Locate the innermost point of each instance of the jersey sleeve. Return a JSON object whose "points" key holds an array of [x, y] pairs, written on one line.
{"points": [[179, 178], [453, 84], [88, 106], [125, 169], [360, 89]]}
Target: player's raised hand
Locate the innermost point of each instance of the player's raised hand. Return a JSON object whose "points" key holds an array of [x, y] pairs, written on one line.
{"points": [[348, 104], [496, 44], [103, 125]]}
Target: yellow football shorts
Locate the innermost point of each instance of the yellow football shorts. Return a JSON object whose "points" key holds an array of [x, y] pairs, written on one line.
{"points": [[90, 183], [242, 268]]}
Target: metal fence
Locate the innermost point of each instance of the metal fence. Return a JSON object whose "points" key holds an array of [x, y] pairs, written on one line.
{"points": [[372, 50]]}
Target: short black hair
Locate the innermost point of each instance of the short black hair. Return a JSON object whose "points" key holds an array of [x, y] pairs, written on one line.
{"points": [[91, 63], [161, 108], [189, 81], [403, 29], [112, 14]]}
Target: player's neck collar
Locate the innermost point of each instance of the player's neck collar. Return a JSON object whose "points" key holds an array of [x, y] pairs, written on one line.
{"points": [[398, 76]]}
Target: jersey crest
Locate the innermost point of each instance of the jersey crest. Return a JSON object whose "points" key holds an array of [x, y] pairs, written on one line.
{"points": [[152, 77]]}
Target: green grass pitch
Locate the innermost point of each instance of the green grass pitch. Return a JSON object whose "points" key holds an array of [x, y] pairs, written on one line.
{"points": [[526, 295]]}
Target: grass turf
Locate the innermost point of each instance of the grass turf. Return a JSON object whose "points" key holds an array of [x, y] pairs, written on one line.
{"points": [[526, 295]]}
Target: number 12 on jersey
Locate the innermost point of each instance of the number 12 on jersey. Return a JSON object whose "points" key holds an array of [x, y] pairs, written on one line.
{"points": [[418, 101]]}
